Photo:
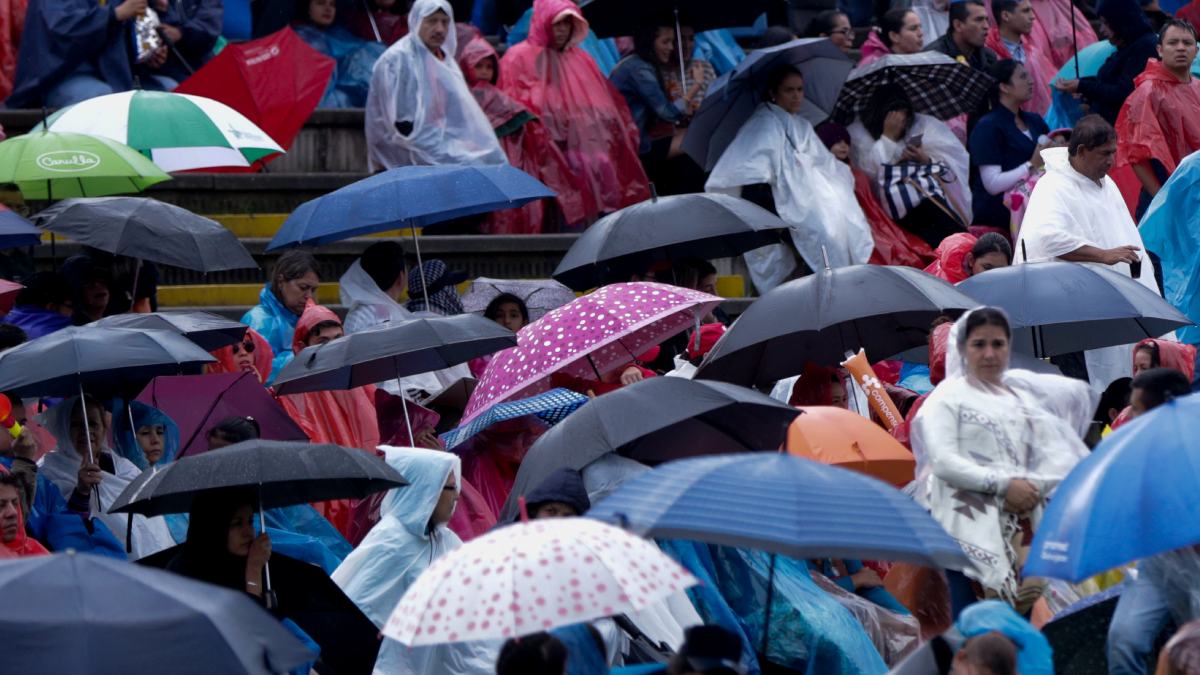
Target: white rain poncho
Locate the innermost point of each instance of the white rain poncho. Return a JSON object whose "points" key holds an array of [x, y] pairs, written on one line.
{"points": [[61, 466], [396, 551], [937, 140], [970, 439], [813, 192], [409, 84], [1068, 210]]}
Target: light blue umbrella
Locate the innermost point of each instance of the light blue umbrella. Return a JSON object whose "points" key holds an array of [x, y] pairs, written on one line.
{"points": [[551, 408], [1134, 497], [16, 231]]}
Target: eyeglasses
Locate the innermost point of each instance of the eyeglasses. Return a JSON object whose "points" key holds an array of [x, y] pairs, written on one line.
{"points": [[848, 32], [248, 345]]}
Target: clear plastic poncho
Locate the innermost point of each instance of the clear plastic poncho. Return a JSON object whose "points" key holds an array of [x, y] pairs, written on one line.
{"points": [[412, 85]]}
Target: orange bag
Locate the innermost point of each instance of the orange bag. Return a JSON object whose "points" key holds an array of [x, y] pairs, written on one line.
{"points": [[880, 402]]}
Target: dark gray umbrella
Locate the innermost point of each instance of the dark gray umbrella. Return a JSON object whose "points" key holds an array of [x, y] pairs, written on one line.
{"points": [[100, 360], [391, 351], [701, 225], [882, 309], [147, 229], [1063, 307], [73, 613], [654, 421], [209, 331]]}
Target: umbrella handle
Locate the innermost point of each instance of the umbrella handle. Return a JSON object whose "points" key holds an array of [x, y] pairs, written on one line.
{"points": [[268, 597], [679, 44], [412, 443], [87, 432]]}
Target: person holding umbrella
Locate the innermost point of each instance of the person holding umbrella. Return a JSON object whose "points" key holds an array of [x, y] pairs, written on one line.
{"points": [[808, 188], [294, 282], [1133, 36]]}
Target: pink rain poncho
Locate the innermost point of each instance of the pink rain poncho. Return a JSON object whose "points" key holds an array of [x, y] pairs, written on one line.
{"points": [[584, 113], [1037, 63]]}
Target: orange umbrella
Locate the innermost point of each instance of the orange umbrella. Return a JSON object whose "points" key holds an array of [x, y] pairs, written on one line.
{"points": [[837, 436]]}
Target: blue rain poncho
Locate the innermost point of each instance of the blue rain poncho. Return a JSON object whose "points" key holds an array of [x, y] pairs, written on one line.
{"points": [[1171, 229], [276, 324], [1034, 656], [355, 57], [59, 528]]}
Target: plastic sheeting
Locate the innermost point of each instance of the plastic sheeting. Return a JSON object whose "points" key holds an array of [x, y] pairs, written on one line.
{"points": [[1174, 574], [1159, 120], [894, 635], [355, 59], [1171, 229], [1034, 656]]}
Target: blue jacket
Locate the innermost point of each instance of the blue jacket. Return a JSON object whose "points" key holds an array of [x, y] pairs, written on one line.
{"points": [[58, 528], [199, 21], [36, 321], [635, 78], [276, 324]]}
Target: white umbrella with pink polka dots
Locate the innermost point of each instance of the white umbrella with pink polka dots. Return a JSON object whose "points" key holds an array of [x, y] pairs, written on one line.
{"points": [[532, 577]]}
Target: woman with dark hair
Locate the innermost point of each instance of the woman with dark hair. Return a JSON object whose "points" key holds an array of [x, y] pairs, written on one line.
{"points": [[809, 188], [509, 311], [835, 25], [294, 281], [1133, 36], [222, 546], [962, 255], [1006, 145], [899, 32], [233, 430], [354, 56]]}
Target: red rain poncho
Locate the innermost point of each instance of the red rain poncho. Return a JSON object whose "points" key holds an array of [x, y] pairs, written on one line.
{"points": [[1038, 64], [1052, 30], [938, 339], [1173, 355], [894, 245], [23, 545], [951, 256], [527, 144], [491, 457], [1160, 119], [12, 22], [346, 418], [585, 115], [263, 356]]}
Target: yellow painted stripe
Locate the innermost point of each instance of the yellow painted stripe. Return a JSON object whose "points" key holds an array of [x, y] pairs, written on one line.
{"points": [[265, 225]]}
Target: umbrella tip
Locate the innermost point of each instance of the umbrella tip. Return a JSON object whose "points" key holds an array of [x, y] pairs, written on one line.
{"points": [[524, 510], [653, 193]]}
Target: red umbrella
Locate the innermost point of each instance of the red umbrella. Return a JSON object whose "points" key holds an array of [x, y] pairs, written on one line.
{"points": [[275, 81], [8, 295]]}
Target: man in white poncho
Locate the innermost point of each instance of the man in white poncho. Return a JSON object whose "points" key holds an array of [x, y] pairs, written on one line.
{"points": [[813, 192], [1077, 214], [419, 108]]}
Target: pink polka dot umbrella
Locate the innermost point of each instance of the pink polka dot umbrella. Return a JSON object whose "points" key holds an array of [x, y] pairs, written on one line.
{"points": [[588, 337], [531, 577]]}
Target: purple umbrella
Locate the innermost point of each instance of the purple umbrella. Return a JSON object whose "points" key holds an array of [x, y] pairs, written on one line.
{"points": [[588, 337], [198, 403]]}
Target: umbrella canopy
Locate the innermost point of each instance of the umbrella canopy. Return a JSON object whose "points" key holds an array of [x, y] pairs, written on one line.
{"points": [[148, 229], [284, 473], [209, 331], [16, 231], [1063, 307], [532, 577], [936, 85], [882, 309], [93, 614], [276, 82], [197, 403], [781, 504], [8, 294], [1079, 634], [49, 165], [733, 98], [613, 18], [551, 408], [589, 337], [408, 196], [178, 132], [109, 360], [630, 241], [837, 436], [393, 350], [539, 295], [1133, 497], [653, 421]]}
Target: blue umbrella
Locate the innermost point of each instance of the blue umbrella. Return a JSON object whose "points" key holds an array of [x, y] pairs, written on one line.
{"points": [[733, 97], [781, 504], [1135, 496], [16, 231], [551, 407]]}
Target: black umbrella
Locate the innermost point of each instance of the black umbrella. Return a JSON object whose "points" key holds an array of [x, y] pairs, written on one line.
{"points": [[209, 331], [1079, 633], [147, 229], [1063, 307], [653, 421], [702, 225], [935, 84], [882, 309], [72, 613]]}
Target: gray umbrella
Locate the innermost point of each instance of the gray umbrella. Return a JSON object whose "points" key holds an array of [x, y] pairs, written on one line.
{"points": [[882, 309], [147, 229], [654, 421], [1063, 307], [539, 295], [92, 614], [701, 225], [209, 331]]}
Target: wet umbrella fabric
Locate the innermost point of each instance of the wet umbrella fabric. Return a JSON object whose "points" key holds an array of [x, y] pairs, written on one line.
{"points": [[208, 331], [550, 408], [935, 84], [16, 231], [1079, 633], [49, 165], [539, 295]]}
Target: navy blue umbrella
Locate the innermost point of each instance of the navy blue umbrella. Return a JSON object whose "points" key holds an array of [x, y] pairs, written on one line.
{"points": [[16, 231], [733, 97], [782, 504], [409, 196], [1133, 497]]}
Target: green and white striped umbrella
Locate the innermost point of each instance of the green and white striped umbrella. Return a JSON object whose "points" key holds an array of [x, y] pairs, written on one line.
{"points": [[177, 131]]}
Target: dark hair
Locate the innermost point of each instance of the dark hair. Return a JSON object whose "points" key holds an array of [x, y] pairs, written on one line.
{"points": [[537, 654], [993, 651], [984, 316], [236, 429], [690, 271], [11, 335], [776, 78], [892, 21], [1160, 385], [1175, 23], [1090, 132], [823, 23], [1115, 397], [774, 36], [1002, 72], [992, 242], [643, 46], [14, 481], [384, 262], [886, 99], [43, 289], [1001, 6], [322, 325], [301, 13], [292, 265], [960, 11], [493, 308], [1152, 347]]}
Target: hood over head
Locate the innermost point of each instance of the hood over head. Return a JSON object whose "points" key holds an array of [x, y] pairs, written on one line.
{"points": [[426, 471], [546, 13], [564, 485], [472, 53], [423, 8], [1125, 17], [125, 437], [263, 356], [313, 315]]}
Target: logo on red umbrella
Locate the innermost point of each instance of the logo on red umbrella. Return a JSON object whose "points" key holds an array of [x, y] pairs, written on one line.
{"points": [[67, 161]]}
